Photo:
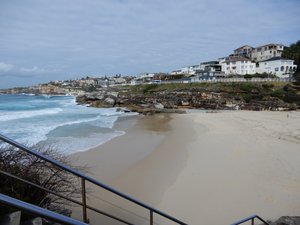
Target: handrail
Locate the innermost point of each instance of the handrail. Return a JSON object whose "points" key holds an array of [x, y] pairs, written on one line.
{"points": [[38, 211], [88, 178], [252, 220], [64, 197]]}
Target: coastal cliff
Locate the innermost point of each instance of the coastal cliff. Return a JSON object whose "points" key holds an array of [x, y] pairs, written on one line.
{"points": [[158, 98]]}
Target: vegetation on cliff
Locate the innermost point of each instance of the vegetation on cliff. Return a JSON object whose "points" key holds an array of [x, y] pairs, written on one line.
{"points": [[293, 52]]}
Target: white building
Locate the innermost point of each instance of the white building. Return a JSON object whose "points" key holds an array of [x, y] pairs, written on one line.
{"points": [[146, 75], [175, 72], [278, 66], [237, 65], [266, 52], [136, 81], [190, 69]]}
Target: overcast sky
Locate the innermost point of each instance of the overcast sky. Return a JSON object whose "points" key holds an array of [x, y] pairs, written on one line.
{"points": [[59, 39]]}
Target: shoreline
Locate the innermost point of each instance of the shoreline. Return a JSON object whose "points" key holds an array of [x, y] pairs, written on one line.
{"points": [[140, 132], [194, 166]]}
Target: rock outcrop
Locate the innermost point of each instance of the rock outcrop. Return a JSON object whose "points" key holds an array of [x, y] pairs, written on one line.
{"points": [[176, 101]]}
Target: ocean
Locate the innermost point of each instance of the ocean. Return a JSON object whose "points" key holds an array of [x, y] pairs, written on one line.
{"points": [[57, 121]]}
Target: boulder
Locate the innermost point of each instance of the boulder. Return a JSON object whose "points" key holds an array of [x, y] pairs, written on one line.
{"points": [[110, 101], [158, 106]]}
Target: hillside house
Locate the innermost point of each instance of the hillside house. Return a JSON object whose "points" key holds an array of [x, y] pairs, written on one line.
{"points": [[237, 65], [282, 68], [266, 52]]}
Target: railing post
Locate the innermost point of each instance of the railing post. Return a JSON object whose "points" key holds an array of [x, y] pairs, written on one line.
{"points": [[83, 196], [151, 217], [252, 221]]}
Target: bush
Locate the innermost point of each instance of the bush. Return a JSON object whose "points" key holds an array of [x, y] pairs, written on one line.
{"points": [[148, 87], [35, 170], [267, 86], [248, 86]]}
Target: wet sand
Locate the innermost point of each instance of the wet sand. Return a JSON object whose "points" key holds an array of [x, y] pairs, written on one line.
{"points": [[203, 168]]}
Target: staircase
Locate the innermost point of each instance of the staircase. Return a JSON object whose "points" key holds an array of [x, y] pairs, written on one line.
{"points": [[28, 214], [15, 217]]}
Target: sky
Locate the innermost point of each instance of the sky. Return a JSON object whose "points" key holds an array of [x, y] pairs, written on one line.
{"points": [[43, 40]]}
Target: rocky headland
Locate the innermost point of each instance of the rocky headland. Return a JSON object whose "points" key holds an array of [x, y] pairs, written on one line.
{"points": [[175, 98]]}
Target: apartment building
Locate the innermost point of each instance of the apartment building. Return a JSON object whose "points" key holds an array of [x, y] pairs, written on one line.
{"points": [[237, 65], [266, 52]]}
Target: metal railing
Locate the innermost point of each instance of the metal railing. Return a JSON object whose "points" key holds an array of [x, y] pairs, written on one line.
{"points": [[84, 178], [38, 211], [250, 218]]}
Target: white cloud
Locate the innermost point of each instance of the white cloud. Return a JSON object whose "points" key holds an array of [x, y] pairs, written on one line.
{"points": [[34, 69], [4, 67]]}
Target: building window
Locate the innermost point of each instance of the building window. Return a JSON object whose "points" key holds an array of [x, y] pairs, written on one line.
{"points": [[276, 69], [282, 68]]}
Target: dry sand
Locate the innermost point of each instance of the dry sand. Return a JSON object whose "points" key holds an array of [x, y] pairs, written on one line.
{"points": [[203, 168]]}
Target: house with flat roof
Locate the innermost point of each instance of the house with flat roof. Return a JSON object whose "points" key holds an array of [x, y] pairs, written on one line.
{"points": [[211, 66], [190, 69], [175, 72], [237, 65], [282, 68], [266, 52]]}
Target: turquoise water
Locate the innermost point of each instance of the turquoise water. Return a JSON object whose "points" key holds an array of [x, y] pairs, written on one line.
{"points": [[56, 120]]}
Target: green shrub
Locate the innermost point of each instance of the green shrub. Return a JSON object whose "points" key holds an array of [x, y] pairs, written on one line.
{"points": [[148, 87]]}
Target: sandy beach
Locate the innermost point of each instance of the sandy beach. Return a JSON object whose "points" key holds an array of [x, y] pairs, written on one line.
{"points": [[202, 168]]}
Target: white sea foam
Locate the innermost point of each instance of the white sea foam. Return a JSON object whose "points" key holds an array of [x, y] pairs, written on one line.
{"points": [[59, 121], [6, 116], [71, 144]]}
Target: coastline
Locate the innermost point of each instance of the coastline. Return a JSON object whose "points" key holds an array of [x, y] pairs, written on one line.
{"points": [[208, 168]]}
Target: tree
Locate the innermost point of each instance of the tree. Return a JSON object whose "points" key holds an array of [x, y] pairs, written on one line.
{"points": [[36, 170], [293, 52]]}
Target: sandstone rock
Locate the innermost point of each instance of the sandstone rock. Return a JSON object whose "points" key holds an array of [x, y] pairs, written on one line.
{"points": [[110, 101], [158, 106], [198, 98]]}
